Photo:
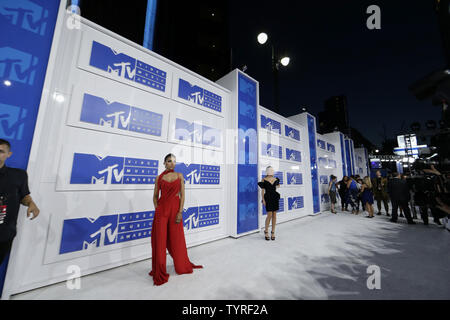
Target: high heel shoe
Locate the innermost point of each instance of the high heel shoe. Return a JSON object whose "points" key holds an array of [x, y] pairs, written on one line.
{"points": [[272, 237], [267, 235]]}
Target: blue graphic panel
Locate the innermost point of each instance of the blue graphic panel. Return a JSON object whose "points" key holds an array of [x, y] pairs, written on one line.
{"points": [[344, 168], [26, 38], [293, 155], [199, 217], [199, 96], [276, 174], [324, 198], [295, 203], [291, 133], [199, 173], [332, 163], [352, 157], [270, 124], [92, 169], [323, 179], [323, 162], [271, 150], [321, 144], [280, 204], [330, 147], [197, 133], [120, 116], [125, 67], [347, 158], [247, 171], [294, 178], [313, 161]]}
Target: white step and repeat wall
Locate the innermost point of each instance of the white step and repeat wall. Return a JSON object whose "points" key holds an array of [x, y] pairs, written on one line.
{"points": [[361, 162], [282, 145], [114, 111]]}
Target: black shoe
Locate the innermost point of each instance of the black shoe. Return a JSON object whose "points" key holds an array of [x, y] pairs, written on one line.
{"points": [[378, 213], [267, 237], [273, 237]]}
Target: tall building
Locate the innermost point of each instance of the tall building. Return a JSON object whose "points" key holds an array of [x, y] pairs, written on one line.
{"points": [[194, 35], [335, 115]]}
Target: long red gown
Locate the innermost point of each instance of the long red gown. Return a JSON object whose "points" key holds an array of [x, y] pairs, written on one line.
{"points": [[168, 234]]}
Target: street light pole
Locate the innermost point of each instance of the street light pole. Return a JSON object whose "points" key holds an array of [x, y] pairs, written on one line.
{"points": [[276, 89]]}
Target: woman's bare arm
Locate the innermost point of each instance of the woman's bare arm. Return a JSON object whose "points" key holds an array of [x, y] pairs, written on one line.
{"points": [[156, 193], [182, 196]]}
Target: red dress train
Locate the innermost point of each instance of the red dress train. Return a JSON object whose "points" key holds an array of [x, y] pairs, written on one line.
{"points": [[168, 234]]}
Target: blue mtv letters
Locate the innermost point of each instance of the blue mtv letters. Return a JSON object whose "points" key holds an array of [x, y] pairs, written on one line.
{"points": [[199, 173], [295, 203], [199, 217], [25, 14], [321, 144], [294, 178], [12, 121], [324, 179], [325, 198], [199, 95], [197, 133], [291, 133], [83, 233], [271, 150], [116, 115], [92, 169], [18, 66], [330, 147], [126, 67], [270, 124], [293, 155]]}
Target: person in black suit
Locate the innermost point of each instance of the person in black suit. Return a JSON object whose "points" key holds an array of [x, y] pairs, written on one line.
{"points": [[398, 191]]}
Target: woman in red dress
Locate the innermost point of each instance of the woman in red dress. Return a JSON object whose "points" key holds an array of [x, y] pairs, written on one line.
{"points": [[167, 228]]}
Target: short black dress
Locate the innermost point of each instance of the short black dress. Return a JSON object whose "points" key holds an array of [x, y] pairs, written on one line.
{"points": [[271, 196]]}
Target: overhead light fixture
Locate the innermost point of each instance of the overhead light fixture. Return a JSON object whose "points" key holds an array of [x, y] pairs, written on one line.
{"points": [[59, 97], [285, 61], [262, 37]]}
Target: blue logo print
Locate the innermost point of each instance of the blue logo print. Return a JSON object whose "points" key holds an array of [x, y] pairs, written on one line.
{"points": [[321, 144], [324, 198], [126, 67], [199, 96], [270, 124], [92, 169], [84, 233], [17, 65], [277, 174], [271, 150], [291, 133], [280, 205], [198, 217], [197, 133], [293, 155], [246, 110], [199, 173], [330, 147], [324, 179], [332, 163], [120, 116], [294, 178], [12, 122], [295, 203], [323, 162], [26, 15]]}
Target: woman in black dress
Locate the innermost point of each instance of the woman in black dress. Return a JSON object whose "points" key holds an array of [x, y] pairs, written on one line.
{"points": [[270, 199]]}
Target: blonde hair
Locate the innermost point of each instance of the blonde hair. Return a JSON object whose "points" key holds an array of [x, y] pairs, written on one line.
{"points": [[368, 182], [269, 167]]}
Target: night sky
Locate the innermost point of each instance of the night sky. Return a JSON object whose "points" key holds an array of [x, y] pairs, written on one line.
{"points": [[332, 53]]}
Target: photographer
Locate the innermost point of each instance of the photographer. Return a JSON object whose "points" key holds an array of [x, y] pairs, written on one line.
{"points": [[13, 192]]}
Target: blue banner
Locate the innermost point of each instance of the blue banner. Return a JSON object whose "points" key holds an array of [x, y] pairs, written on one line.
{"points": [[313, 161], [27, 33], [247, 198], [347, 158], [344, 167]]}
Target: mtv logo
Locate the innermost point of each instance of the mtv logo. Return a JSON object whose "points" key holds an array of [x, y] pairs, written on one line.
{"points": [[197, 133], [271, 150], [324, 198], [190, 218], [190, 92], [270, 124], [92, 169], [16, 65], [330, 147], [12, 122], [321, 144], [323, 162], [111, 61], [292, 133], [294, 178], [191, 172], [295, 203], [323, 179], [332, 163], [105, 113], [25, 14], [293, 155], [85, 233]]}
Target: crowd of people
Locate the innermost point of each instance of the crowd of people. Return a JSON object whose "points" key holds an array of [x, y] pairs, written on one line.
{"points": [[426, 192]]}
